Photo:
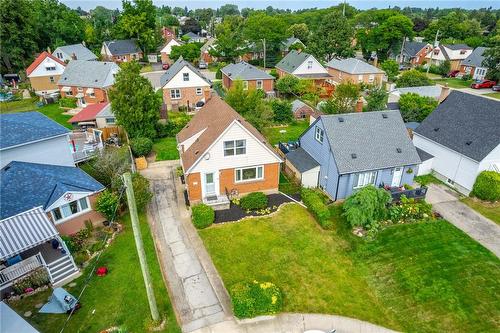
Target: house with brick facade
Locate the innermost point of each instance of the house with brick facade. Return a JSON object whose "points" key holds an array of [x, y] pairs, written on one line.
{"points": [[251, 76], [454, 53], [167, 49], [221, 153], [44, 73], [184, 86], [205, 51], [355, 71], [88, 81], [124, 50], [413, 53], [74, 52], [301, 110], [473, 64]]}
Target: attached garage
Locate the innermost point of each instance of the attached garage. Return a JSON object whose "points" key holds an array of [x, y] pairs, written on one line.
{"points": [[303, 166]]}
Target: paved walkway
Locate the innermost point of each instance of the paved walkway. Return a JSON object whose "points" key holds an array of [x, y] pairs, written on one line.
{"points": [[446, 202], [198, 295]]}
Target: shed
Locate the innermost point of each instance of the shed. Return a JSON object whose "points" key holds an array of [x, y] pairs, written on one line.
{"points": [[305, 168]]}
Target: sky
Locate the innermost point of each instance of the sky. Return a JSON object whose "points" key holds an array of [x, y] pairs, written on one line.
{"points": [[295, 4]]}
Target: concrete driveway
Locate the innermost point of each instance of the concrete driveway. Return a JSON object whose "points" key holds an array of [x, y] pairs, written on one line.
{"points": [[446, 202]]}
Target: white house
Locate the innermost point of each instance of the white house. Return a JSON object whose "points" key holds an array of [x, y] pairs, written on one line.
{"points": [[44, 73], [455, 53], [463, 136], [167, 49]]}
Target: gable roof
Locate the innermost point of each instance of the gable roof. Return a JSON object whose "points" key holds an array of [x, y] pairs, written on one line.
{"points": [[372, 138], [80, 51], [476, 57], [292, 61], [106, 112], [122, 46], [27, 185], [213, 119], [176, 68], [95, 74], [88, 113], [39, 60], [289, 42], [412, 48], [456, 47], [25, 127], [427, 91], [245, 71], [465, 123], [191, 35], [297, 104], [353, 66], [301, 160]]}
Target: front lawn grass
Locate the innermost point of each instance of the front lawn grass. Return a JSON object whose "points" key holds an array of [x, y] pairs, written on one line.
{"points": [[425, 277], [292, 132], [489, 210], [166, 149], [454, 83], [118, 299], [493, 94]]}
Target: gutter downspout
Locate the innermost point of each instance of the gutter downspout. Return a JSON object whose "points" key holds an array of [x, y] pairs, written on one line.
{"points": [[337, 189]]}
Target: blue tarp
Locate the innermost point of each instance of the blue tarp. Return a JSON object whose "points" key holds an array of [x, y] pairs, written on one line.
{"points": [[60, 302]]}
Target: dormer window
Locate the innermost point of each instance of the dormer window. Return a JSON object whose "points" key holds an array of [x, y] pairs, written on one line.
{"points": [[185, 76], [463, 51]]}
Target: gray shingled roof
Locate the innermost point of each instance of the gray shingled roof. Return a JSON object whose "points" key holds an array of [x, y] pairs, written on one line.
{"points": [[301, 160], [353, 66], [372, 138], [80, 51], [292, 60], [412, 48], [245, 71], [297, 104], [476, 58], [123, 46], [466, 123], [289, 42], [95, 74], [176, 67], [456, 47], [427, 91], [424, 156]]}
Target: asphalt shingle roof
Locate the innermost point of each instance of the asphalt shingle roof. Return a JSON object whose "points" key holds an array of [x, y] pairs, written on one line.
{"points": [[80, 51], [297, 104], [301, 160], [373, 139], [456, 47], [28, 185], [412, 48], [476, 58], [290, 41], [176, 68], [353, 66], [465, 123], [24, 127], [123, 46], [292, 60], [95, 74], [426, 91], [245, 71]]}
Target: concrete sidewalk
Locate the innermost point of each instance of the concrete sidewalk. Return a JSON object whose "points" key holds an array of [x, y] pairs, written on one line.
{"points": [[446, 202]]}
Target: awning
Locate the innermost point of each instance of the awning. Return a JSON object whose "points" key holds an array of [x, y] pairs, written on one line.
{"points": [[79, 95], [25, 231], [89, 91], [66, 89]]}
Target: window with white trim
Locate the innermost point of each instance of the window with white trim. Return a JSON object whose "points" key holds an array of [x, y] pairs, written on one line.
{"points": [[249, 174], [309, 64], [199, 91], [110, 120], [364, 179], [69, 92], [70, 209], [175, 93], [371, 78], [235, 147], [80, 89], [51, 79], [185, 76], [318, 135], [259, 84], [245, 85]]}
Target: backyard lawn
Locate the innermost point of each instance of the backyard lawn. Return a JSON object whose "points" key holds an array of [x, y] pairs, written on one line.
{"points": [[118, 299], [292, 132], [53, 111], [454, 83], [427, 277], [490, 210], [166, 149], [18, 106]]}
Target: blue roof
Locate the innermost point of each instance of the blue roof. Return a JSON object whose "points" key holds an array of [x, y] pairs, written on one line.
{"points": [[27, 185], [24, 127]]}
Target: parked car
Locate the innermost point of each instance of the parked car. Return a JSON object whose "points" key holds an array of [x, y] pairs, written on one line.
{"points": [[165, 66], [483, 84], [453, 73], [496, 88], [202, 65]]}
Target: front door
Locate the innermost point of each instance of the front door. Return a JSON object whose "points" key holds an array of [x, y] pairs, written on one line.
{"points": [[396, 176], [209, 184]]}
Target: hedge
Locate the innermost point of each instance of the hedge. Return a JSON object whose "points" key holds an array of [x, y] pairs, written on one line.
{"points": [[141, 146], [487, 186], [317, 206], [251, 299], [203, 216], [254, 201]]}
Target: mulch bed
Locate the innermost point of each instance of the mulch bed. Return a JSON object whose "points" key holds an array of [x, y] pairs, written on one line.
{"points": [[235, 213]]}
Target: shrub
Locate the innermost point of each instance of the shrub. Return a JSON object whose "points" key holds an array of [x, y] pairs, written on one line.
{"points": [[409, 210], [254, 201], [413, 78], [142, 192], [466, 77], [414, 107], [141, 146], [282, 111], [67, 102], [487, 186], [39, 277], [107, 204], [218, 74], [251, 299], [366, 207], [315, 203], [203, 216]]}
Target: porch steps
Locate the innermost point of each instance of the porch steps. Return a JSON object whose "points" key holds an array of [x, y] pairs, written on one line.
{"points": [[61, 269]]}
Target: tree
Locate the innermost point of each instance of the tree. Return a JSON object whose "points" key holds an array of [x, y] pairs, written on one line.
{"points": [[134, 102], [191, 25], [169, 21], [229, 39], [343, 100], [413, 78], [108, 166], [391, 68], [333, 38], [290, 85], [492, 61], [188, 51], [414, 107], [261, 26], [107, 204], [366, 207], [228, 9], [282, 111], [377, 99], [300, 31], [454, 26], [101, 22]]}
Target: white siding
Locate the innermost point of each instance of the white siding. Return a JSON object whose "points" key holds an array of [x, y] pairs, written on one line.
{"points": [[426, 167], [194, 80], [316, 67], [55, 151], [42, 71], [493, 158], [168, 48], [310, 178]]}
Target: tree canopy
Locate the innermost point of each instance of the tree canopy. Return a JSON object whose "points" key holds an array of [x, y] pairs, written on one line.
{"points": [[414, 107], [333, 38], [230, 40], [413, 78], [343, 100], [188, 51]]}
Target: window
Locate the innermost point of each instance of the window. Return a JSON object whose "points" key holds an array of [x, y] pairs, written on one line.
{"points": [[360, 78], [80, 89], [59, 55], [185, 76], [199, 91], [371, 78], [69, 92], [51, 79], [236, 147], [245, 85], [260, 84], [309, 64], [50, 68], [249, 174], [175, 93], [363, 179], [70, 209], [318, 134], [110, 120]]}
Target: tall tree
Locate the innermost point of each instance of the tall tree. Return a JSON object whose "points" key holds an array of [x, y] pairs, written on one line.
{"points": [[261, 26], [492, 61], [135, 104], [229, 39], [188, 51], [300, 31], [343, 100], [333, 38], [228, 9], [191, 25]]}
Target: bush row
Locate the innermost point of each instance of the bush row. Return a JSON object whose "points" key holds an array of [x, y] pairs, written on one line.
{"points": [[314, 202], [254, 201]]}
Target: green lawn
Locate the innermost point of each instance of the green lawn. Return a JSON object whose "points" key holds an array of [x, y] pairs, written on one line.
{"points": [[292, 132], [53, 111], [490, 210], [18, 106], [454, 83], [166, 149], [493, 94], [427, 179], [427, 277], [118, 299]]}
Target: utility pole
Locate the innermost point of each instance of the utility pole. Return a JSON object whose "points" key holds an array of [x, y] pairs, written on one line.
{"points": [[343, 9], [401, 53], [264, 44], [432, 54], [127, 180]]}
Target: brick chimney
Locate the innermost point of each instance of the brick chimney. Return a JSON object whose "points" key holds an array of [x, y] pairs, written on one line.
{"points": [[73, 56], [445, 91], [375, 61], [359, 105]]}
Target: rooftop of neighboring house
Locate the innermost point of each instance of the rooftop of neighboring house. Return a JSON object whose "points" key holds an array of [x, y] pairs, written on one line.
{"points": [[24, 127], [27, 185], [176, 68], [445, 48], [290, 41], [79, 50], [366, 141], [353, 66], [245, 71], [212, 119], [88, 113], [292, 61], [298, 104], [465, 123], [122, 47], [40, 59], [457, 47], [476, 58], [412, 48], [106, 112], [95, 74], [426, 91], [191, 35], [210, 43]]}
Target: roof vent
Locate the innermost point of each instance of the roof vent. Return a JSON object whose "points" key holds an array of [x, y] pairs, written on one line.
{"points": [[96, 80], [341, 120], [196, 152], [399, 150], [384, 115], [468, 143], [436, 129], [354, 156]]}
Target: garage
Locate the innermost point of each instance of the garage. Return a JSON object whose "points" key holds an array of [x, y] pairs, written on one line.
{"points": [[303, 166]]}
